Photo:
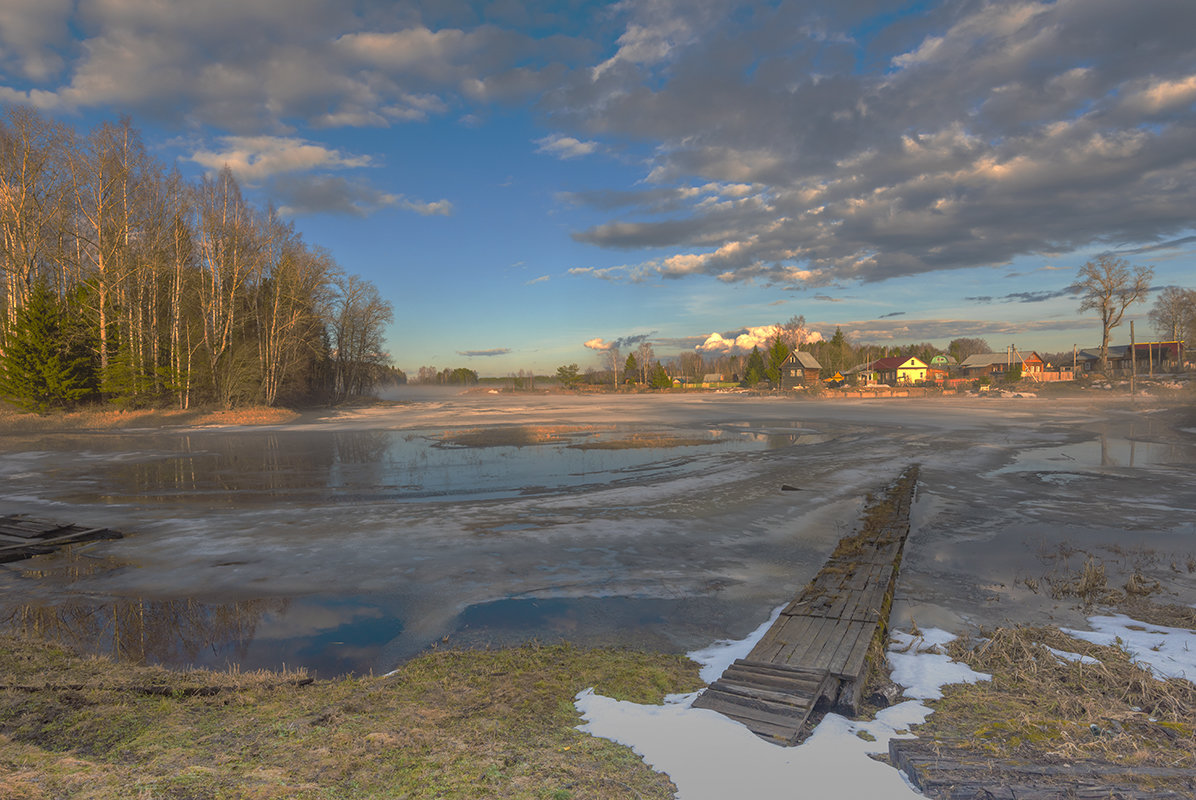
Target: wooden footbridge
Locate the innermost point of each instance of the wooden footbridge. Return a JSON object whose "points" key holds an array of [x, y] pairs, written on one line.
{"points": [[818, 649], [22, 537]]}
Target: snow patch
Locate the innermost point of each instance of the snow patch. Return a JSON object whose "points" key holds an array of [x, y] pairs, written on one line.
{"points": [[710, 756], [1167, 652]]}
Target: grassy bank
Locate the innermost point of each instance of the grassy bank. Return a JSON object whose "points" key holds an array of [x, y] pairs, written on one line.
{"points": [[447, 724], [13, 421], [1045, 708]]}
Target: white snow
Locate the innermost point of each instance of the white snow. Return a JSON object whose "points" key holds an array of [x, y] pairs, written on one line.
{"points": [[709, 756], [923, 668], [1168, 652]]}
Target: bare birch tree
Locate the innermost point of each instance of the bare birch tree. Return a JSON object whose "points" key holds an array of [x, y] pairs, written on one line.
{"points": [[1106, 285]]}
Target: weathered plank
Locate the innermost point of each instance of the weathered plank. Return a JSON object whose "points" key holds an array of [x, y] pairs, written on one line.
{"points": [[819, 644], [23, 537], [947, 772]]}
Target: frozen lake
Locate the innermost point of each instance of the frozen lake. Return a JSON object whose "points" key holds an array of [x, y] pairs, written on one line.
{"points": [[352, 540]]}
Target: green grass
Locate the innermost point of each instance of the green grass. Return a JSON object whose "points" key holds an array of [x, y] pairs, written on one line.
{"points": [[448, 724]]}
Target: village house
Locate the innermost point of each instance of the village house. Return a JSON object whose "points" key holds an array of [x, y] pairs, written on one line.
{"points": [[996, 365], [1151, 356], [939, 369], [895, 371], [800, 369]]}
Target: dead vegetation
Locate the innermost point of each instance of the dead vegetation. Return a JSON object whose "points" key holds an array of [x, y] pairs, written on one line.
{"points": [[447, 724], [1111, 579], [16, 422], [578, 437], [518, 435], [1053, 707]]}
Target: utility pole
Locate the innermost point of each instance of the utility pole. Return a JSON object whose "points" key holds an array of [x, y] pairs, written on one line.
{"points": [[1133, 360]]}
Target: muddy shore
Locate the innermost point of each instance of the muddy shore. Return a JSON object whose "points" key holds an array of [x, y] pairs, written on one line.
{"points": [[350, 540]]}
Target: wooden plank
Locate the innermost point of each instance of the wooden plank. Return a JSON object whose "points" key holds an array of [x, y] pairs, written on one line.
{"points": [[70, 538], [852, 661], [833, 656], [798, 682], [795, 653], [783, 729], [30, 530], [770, 697], [818, 654], [780, 669]]}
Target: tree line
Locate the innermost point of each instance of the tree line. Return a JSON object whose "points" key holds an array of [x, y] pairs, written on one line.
{"points": [[125, 284], [1107, 285]]}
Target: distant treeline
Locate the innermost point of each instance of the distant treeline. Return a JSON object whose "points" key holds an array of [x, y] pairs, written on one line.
{"points": [[125, 284]]}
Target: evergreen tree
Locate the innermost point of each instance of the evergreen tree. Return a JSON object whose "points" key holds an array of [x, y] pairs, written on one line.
{"points": [[45, 365], [754, 373], [631, 370], [660, 377], [778, 351]]}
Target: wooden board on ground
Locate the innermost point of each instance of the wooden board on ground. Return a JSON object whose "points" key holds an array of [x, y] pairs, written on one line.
{"points": [[946, 772], [22, 537], [817, 649]]}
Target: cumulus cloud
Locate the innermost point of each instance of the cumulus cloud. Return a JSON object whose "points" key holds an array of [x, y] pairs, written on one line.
{"points": [[921, 330], [334, 194], [620, 343], [992, 131], [565, 146], [31, 34], [254, 158], [743, 340], [257, 66]]}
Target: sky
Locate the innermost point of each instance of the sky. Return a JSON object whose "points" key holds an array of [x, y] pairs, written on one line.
{"points": [[531, 183]]}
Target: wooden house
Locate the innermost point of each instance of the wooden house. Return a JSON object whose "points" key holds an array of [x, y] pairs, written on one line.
{"points": [[995, 365], [1149, 356], [898, 370], [800, 369]]}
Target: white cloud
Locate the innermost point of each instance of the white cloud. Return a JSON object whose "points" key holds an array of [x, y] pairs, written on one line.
{"points": [[440, 208], [255, 158], [743, 341], [29, 32], [563, 146]]}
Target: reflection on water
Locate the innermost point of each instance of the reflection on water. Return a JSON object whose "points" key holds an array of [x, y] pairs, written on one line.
{"points": [[178, 480], [1103, 451], [364, 465], [330, 637], [146, 631]]}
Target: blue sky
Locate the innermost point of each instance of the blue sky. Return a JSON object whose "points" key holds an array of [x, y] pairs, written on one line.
{"points": [[528, 183]]}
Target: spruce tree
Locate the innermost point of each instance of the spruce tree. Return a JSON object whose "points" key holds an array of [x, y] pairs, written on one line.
{"points": [[778, 351], [755, 368], [43, 365]]}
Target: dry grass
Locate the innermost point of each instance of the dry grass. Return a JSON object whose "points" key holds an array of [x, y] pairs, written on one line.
{"points": [[447, 724], [518, 435], [16, 422], [637, 441], [1043, 708]]}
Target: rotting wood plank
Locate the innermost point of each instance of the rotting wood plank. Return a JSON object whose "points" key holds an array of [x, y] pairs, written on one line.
{"points": [[39, 537], [818, 646], [946, 771]]}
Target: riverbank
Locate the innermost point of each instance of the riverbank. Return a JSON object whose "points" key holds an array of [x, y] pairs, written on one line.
{"points": [[494, 723], [106, 419]]}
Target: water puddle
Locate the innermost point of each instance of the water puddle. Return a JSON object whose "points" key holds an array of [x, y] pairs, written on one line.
{"points": [[394, 466], [1103, 452]]}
